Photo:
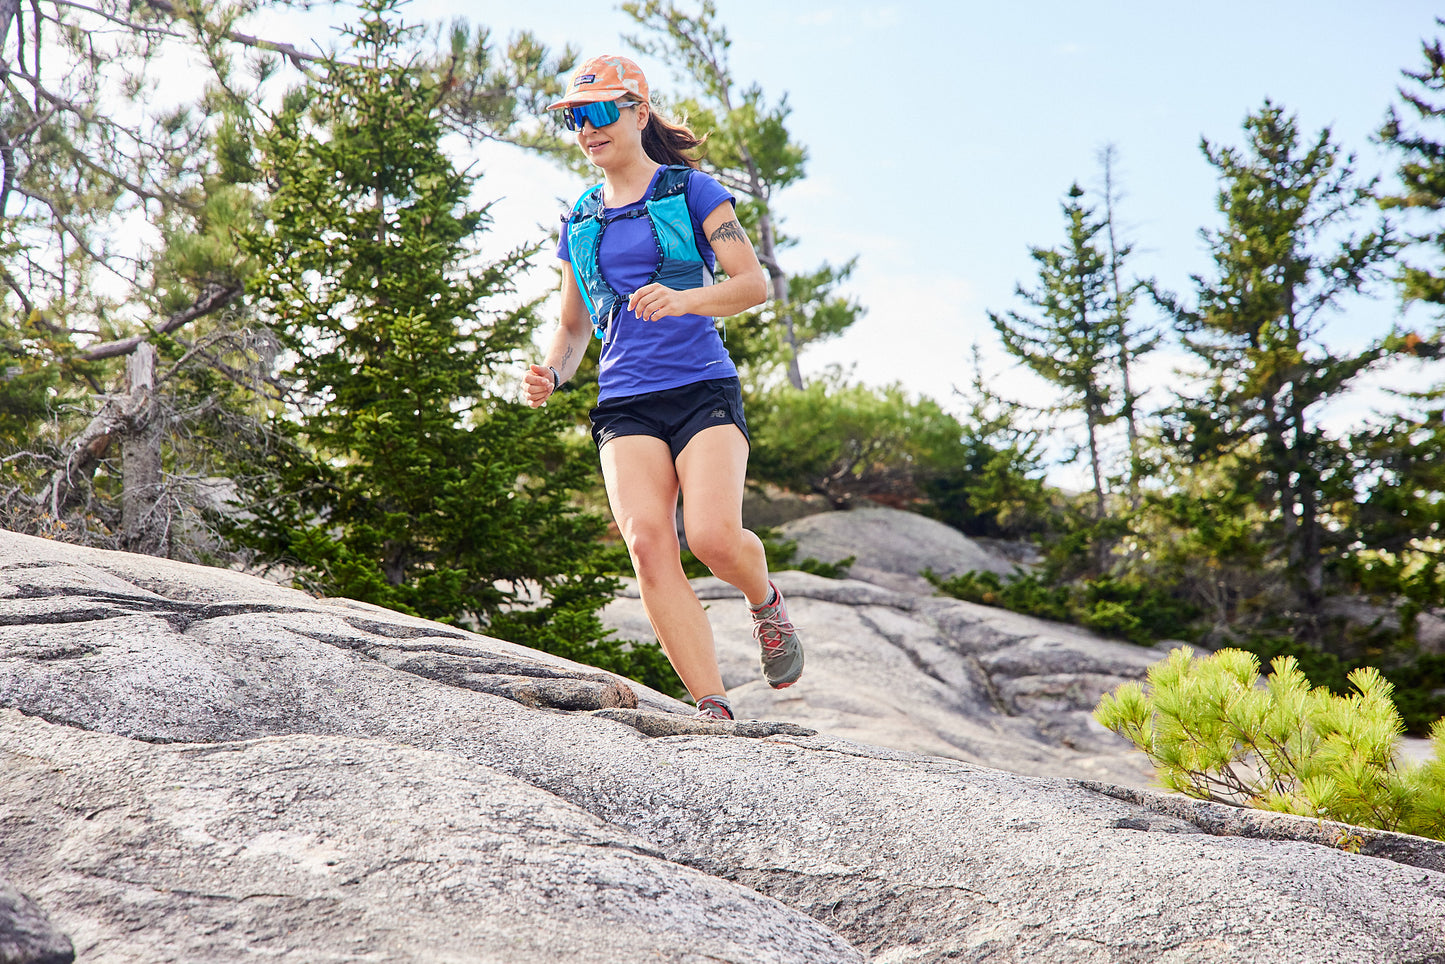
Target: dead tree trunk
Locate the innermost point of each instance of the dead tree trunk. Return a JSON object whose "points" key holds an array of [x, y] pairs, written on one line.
{"points": [[71, 482], [143, 527]]}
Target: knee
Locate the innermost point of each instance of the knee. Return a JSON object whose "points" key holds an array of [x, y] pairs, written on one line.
{"points": [[654, 548], [716, 546]]}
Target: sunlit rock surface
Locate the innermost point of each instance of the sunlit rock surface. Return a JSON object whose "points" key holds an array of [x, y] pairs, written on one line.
{"points": [[200, 766]]}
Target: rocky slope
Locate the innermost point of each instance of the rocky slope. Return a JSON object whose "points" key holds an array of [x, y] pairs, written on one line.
{"points": [[200, 766], [891, 664], [933, 676]]}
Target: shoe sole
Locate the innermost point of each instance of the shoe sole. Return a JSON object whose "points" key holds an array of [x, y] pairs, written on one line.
{"points": [[784, 684]]}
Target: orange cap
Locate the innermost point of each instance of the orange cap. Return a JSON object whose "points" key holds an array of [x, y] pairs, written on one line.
{"points": [[604, 78]]}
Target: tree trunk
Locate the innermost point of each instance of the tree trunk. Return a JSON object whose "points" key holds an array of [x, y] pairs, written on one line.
{"points": [[780, 297], [143, 527], [1125, 355], [767, 240], [1096, 460], [1306, 559], [86, 452], [9, 11]]}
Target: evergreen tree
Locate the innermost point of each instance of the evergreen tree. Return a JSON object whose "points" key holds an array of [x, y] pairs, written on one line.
{"points": [[135, 374], [1421, 171], [1074, 343], [1256, 327], [1215, 731], [409, 479], [1401, 522], [118, 270]]}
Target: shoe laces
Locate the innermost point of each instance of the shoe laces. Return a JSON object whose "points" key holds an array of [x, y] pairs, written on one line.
{"points": [[772, 629]]}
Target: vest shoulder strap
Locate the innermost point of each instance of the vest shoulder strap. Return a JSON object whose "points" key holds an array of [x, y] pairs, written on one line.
{"points": [[589, 204], [671, 180]]}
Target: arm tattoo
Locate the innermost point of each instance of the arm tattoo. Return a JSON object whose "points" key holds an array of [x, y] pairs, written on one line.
{"points": [[729, 231]]}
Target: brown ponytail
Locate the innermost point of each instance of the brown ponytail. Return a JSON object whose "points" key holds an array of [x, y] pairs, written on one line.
{"points": [[670, 143]]}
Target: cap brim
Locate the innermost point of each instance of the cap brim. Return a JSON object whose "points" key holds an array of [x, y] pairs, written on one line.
{"points": [[588, 97]]}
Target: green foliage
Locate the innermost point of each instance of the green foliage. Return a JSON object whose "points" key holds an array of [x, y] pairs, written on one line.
{"points": [[828, 570], [993, 486], [122, 236], [857, 441], [1124, 608], [1254, 518], [782, 554], [1421, 170], [1256, 327], [1418, 678], [1074, 342], [26, 385], [1213, 732], [849, 442], [408, 478], [1079, 337]]}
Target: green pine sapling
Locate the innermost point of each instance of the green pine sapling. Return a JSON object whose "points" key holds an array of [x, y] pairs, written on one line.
{"points": [[1215, 732]]}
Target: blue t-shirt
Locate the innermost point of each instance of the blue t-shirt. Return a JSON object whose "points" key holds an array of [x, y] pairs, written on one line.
{"points": [[650, 356]]}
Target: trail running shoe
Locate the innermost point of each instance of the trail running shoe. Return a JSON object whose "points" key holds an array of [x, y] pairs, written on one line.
{"points": [[782, 650], [713, 708]]}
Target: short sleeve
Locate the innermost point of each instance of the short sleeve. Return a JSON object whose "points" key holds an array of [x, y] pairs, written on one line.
{"points": [[562, 252], [704, 194]]}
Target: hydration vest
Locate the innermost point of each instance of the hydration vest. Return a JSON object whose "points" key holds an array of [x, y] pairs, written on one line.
{"points": [[680, 265]]}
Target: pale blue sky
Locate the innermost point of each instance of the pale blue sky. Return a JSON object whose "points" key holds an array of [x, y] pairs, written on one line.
{"points": [[943, 135]]}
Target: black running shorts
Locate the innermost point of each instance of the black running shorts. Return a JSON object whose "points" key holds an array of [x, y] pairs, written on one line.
{"points": [[674, 415]]}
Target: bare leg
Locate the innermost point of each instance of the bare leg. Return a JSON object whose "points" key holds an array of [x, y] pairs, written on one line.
{"points": [[642, 487], [711, 471]]}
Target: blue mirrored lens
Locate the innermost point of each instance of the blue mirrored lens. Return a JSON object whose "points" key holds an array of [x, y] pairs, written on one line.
{"points": [[599, 114]]}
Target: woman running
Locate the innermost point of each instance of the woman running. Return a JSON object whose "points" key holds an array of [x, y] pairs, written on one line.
{"points": [[642, 246]]}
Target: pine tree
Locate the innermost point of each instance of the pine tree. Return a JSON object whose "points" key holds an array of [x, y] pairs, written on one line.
{"points": [[1256, 327], [410, 478], [1074, 342], [1401, 521], [1421, 170], [117, 267], [135, 374], [1215, 731]]}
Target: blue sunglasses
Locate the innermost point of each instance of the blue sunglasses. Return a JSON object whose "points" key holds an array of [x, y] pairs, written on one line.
{"points": [[599, 114]]}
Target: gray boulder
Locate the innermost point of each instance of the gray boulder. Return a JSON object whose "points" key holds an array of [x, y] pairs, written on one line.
{"points": [[339, 849], [26, 935], [929, 675], [198, 766], [892, 546]]}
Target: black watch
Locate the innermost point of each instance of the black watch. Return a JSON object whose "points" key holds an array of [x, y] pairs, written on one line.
{"points": [[556, 378]]}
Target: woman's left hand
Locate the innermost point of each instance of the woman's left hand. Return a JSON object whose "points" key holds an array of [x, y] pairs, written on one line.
{"points": [[654, 301]]}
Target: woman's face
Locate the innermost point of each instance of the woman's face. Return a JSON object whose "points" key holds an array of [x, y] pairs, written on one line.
{"points": [[617, 142]]}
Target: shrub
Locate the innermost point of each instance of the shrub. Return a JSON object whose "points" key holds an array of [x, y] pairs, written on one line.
{"points": [[1122, 608], [1214, 733]]}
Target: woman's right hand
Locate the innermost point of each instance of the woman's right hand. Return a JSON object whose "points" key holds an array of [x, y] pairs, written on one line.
{"points": [[537, 385]]}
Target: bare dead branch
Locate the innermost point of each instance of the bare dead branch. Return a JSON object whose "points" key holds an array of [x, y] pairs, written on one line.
{"points": [[75, 233], [14, 286], [213, 298], [298, 58], [132, 25]]}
